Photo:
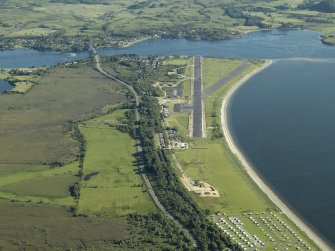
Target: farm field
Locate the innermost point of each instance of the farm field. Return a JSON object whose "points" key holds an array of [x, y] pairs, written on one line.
{"points": [[46, 185], [40, 166], [34, 127], [111, 184], [40, 226]]}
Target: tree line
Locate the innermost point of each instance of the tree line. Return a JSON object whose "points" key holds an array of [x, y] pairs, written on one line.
{"points": [[169, 189]]}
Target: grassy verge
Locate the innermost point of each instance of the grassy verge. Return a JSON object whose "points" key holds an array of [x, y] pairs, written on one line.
{"points": [[179, 121], [213, 102], [111, 183], [215, 69]]}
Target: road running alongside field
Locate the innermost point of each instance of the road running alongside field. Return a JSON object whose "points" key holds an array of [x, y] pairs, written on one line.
{"points": [[139, 150], [253, 174]]}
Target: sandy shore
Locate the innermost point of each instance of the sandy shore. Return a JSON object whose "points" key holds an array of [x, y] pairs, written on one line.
{"points": [[251, 172]]}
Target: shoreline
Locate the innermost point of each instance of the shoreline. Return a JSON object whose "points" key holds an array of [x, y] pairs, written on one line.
{"points": [[253, 174]]}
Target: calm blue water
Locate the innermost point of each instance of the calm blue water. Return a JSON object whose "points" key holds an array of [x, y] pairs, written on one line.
{"points": [[27, 58], [264, 44], [283, 119], [5, 86]]}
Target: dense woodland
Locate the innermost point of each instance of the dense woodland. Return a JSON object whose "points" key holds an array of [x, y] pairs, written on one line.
{"points": [[322, 6]]}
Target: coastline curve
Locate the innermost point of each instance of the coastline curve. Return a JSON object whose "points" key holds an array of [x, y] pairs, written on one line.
{"points": [[250, 169]]}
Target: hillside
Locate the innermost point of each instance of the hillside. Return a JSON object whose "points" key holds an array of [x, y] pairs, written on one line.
{"points": [[71, 25]]}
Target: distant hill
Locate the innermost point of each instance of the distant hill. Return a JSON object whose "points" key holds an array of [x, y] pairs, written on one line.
{"points": [[80, 1], [322, 6]]}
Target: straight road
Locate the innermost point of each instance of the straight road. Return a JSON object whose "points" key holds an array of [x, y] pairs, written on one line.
{"points": [[139, 149], [197, 100]]}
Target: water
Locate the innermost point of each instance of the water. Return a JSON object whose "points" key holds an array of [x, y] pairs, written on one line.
{"points": [[283, 120], [264, 44], [4, 86], [27, 58]]}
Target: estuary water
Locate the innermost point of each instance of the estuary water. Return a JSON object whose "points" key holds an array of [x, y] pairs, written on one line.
{"points": [[283, 119], [21, 58], [260, 45], [4, 86]]}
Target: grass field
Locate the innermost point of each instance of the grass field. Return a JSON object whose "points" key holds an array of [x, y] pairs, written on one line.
{"points": [[28, 226], [33, 126], [22, 87], [179, 121], [212, 162], [214, 69], [49, 185], [113, 185], [34, 132]]}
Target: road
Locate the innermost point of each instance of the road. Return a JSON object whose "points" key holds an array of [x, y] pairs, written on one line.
{"points": [[197, 100], [139, 150]]}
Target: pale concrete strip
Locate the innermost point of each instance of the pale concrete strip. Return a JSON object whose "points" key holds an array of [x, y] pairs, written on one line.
{"points": [[197, 100]]}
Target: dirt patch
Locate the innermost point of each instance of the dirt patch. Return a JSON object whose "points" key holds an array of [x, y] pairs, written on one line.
{"points": [[202, 188]]}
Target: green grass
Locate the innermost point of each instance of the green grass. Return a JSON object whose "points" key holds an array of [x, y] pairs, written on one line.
{"points": [[179, 121], [214, 69], [214, 101], [22, 87], [49, 185], [33, 128], [115, 187], [28, 226], [211, 161]]}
